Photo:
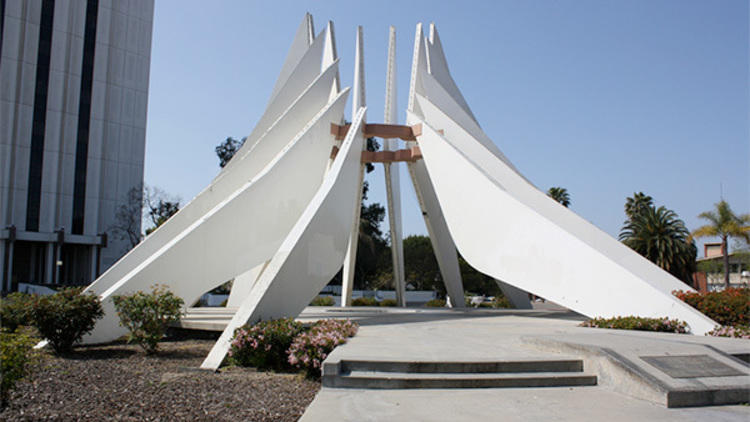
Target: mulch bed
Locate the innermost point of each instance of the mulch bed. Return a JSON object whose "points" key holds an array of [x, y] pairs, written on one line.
{"points": [[119, 382]]}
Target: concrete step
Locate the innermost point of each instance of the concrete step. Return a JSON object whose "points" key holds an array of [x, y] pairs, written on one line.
{"points": [[403, 380], [421, 367]]}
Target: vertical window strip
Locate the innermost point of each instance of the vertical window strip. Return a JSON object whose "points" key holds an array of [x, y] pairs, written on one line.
{"points": [[33, 199], [2, 25], [84, 116]]}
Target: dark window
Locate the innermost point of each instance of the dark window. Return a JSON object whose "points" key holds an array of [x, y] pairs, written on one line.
{"points": [[29, 261], [76, 265], [84, 116], [40, 116], [2, 24]]}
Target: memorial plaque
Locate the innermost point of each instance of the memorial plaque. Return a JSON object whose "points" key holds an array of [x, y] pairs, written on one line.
{"points": [[692, 366]]}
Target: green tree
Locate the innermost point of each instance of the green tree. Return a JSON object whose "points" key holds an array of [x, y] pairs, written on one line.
{"points": [[637, 203], [659, 235], [724, 223], [420, 265], [560, 195], [226, 150], [159, 206]]}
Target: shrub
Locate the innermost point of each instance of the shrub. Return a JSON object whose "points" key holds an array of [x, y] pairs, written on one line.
{"points": [[65, 317], [16, 356], [487, 305], [14, 311], [322, 301], [435, 303], [388, 302], [264, 345], [365, 301], [147, 315], [502, 302], [638, 323], [739, 331], [310, 349], [728, 307]]}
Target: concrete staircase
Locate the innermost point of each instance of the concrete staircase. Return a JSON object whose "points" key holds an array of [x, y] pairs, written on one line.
{"points": [[422, 374]]}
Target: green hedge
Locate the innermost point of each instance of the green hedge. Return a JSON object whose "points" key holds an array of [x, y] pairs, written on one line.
{"points": [[322, 301], [15, 311], [365, 301], [16, 356], [638, 323]]}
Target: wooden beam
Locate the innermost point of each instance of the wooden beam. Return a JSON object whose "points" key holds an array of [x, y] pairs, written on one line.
{"points": [[407, 133], [402, 155]]}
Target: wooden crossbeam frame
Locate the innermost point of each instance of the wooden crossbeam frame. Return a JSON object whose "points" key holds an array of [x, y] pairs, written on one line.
{"points": [[406, 133], [409, 155]]}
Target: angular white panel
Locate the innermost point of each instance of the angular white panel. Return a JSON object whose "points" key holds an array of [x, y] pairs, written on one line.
{"points": [[302, 76], [237, 234], [301, 43], [358, 102], [506, 228], [438, 68], [312, 252], [242, 285], [274, 140], [442, 244]]}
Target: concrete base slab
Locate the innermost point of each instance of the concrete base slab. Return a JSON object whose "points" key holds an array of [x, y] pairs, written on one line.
{"points": [[510, 404]]}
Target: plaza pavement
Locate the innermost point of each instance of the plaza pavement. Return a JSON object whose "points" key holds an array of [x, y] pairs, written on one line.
{"points": [[629, 389]]}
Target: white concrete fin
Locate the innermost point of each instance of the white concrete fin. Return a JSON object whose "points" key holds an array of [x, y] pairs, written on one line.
{"points": [[438, 67], [330, 55], [418, 68], [311, 253], [302, 76], [243, 283], [440, 100], [300, 44], [358, 88], [211, 250], [506, 228], [392, 175], [390, 114], [437, 229], [294, 120], [358, 102]]}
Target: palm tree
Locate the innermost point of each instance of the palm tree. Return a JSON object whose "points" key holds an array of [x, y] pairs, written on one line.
{"points": [[637, 203], [724, 224], [659, 235], [560, 195]]}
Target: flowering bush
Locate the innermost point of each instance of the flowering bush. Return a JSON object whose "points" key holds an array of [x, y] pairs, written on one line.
{"points": [[664, 325], [310, 349], [147, 315], [739, 331], [264, 345], [728, 307], [388, 302]]}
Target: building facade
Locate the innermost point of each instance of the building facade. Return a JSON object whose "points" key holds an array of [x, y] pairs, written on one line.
{"points": [[74, 78]]}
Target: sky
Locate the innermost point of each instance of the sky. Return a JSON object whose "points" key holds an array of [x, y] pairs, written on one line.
{"points": [[604, 98]]}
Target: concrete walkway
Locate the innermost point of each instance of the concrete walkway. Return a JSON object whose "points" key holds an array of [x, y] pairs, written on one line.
{"points": [[494, 335]]}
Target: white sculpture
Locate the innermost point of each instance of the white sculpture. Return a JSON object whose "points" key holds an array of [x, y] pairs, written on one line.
{"points": [[282, 217]]}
